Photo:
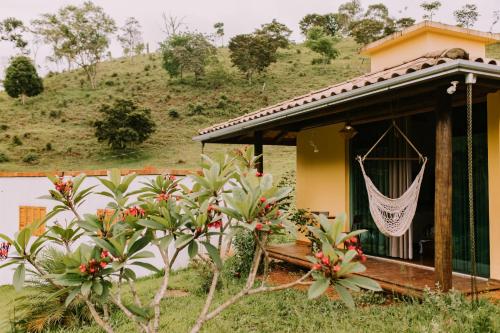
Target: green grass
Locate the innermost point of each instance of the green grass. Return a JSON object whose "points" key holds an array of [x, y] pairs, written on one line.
{"points": [[63, 114], [291, 311]]}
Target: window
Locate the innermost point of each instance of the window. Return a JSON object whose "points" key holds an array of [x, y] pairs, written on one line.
{"points": [[30, 214]]}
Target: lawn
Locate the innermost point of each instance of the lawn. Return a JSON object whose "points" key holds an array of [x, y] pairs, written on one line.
{"points": [[291, 311]]}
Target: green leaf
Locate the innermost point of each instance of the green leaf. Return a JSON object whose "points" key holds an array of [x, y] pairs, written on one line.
{"points": [[19, 275], [97, 287], [146, 266], [23, 238], [139, 245], [213, 252], [183, 240], [151, 224], [143, 255], [71, 296], [192, 250], [318, 288], [86, 288], [6, 238], [345, 295], [138, 311], [165, 241], [365, 283]]}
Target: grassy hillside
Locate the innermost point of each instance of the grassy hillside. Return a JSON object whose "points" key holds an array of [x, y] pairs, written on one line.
{"points": [[62, 116]]}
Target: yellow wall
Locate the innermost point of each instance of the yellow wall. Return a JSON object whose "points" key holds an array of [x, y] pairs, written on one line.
{"points": [[494, 182], [417, 45], [322, 177]]}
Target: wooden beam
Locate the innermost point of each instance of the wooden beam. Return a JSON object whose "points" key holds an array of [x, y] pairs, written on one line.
{"points": [[443, 192], [258, 150]]}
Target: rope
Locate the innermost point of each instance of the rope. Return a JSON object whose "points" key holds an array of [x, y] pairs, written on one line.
{"points": [[395, 126], [472, 233]]}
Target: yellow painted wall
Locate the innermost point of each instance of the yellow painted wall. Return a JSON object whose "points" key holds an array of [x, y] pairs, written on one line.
{"points": [[493, 103], [322, 177], [413, 47]]}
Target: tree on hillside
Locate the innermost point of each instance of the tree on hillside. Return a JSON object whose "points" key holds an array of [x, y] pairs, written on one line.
{"points": [[252, 53], [430, 8], [131, 37], [328, 22], [322, 43], [21, 79], [124, 124], [12, 30], [188, 51], [367, 30], [219, 32], [172, 25], [278, 33], [466, 16], [79, 34], [352, 9]]}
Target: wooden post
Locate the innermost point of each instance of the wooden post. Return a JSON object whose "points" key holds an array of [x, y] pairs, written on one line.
{"points": [[258, 150], [443, 193]]}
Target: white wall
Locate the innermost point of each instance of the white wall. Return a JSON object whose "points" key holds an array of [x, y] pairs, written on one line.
{"points": [[25, 191]]}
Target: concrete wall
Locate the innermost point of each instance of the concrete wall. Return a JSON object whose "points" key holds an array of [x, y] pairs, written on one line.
{"points": [[322, 176], [24, 191], [415, 46], [494, 182]]}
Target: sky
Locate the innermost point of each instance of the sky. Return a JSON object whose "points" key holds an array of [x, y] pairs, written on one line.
{"points": [[238, 16]]}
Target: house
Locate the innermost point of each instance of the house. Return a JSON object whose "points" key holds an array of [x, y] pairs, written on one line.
{"points": [[419, 79]]}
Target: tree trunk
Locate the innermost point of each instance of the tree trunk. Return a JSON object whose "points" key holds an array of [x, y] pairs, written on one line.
{"points": [[443, 193]]}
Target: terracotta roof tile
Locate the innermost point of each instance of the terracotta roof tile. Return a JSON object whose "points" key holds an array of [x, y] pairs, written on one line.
{"points": [[423, 62]]}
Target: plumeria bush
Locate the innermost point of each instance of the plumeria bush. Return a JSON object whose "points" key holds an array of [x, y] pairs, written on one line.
{"points": [[227, 195]]}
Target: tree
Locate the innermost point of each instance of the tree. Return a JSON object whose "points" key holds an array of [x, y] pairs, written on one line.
{"points": [[21, 79], [219, 32], [252, 53], [124, 124], [78, 34], [131, 37], [172, 25], [430, 8], [496, 18], [278, 33], [188, 51], [352, 9], [320, 42], [367, 30], [330, 23], [466, 16], [404, 22], [12, 30], [226, 196]]}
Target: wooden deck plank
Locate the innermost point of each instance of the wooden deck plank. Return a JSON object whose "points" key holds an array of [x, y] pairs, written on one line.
{"points": [[393, 276]]}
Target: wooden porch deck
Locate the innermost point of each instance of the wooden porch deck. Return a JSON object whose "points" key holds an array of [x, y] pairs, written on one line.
{"points": [[392, 275]]}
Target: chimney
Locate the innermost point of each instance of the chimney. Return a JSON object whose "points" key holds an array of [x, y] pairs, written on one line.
{"points": [[426, 37]]}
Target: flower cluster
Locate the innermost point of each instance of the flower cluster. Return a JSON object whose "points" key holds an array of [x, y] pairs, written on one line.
{"points": [[4, 250], [93, 267], [134, 212], [353, 244], [215, 224], [162, 197], [265, 209], [64, 187], [323, 263]]}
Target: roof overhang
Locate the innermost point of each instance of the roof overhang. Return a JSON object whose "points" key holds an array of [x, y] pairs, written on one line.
{"points": [[442, 71]]}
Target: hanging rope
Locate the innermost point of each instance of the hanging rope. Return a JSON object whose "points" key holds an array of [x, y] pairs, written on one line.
{"points": [[393, 216], [470, 175]]}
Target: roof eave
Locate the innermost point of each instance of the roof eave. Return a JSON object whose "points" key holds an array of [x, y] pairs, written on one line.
{"points": [[442, 70]]}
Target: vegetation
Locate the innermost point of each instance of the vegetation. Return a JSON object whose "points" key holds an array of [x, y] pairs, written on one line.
{"points": [[12, 30], [319, 42], [466, 16], [130, 37], [79, 35], [21, 79], [430, 9], [187, 52], [228, 195], [124, 124], [284, 311]]}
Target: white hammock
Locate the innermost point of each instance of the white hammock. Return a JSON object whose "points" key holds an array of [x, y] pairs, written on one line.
{"points": [[393, 217]]}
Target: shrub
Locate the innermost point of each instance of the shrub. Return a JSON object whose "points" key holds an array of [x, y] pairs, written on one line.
{"points": [[30, 158], [3, 158], [244, 246], [55, 114], [21, 79], [147, 67], [109, 83], [196, 110], [48, 146], [124, 124], [114, 74], [4, 127], [172, 113], [16, 141]]}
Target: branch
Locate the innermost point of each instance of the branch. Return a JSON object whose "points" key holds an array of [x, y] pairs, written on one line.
{"points": [[135, 295], [163, 288], [127, 312], [101, 322], [208, 302], [266, 256]]}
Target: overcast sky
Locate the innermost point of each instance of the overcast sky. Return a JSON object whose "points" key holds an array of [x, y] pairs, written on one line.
{"points": [[238, 16]]}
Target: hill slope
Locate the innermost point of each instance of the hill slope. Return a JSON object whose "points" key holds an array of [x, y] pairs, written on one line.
{"points": [[62, 116]]}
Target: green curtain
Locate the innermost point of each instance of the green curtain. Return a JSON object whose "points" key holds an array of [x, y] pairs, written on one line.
{"points": [[461, 242]]}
